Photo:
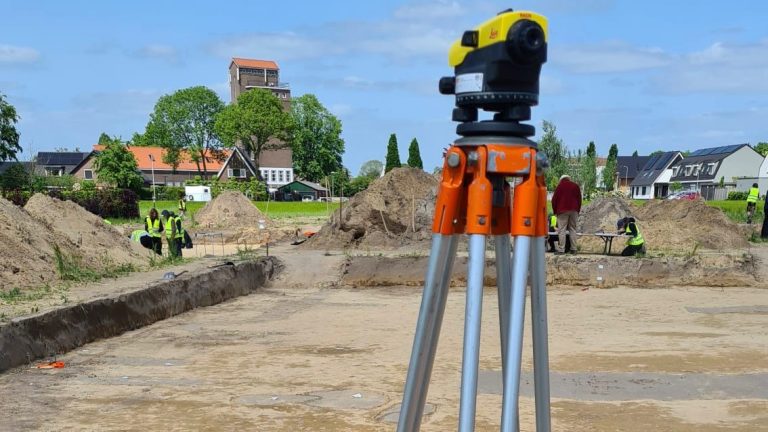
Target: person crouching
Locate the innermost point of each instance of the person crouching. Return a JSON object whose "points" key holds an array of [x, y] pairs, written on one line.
{"points": [[635, 243]]}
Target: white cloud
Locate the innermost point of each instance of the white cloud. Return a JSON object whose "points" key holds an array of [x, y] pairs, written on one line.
{"points": [[718, 68], [439, 9], [284, 46], [162, 52], [608, 57], [10, 54]]}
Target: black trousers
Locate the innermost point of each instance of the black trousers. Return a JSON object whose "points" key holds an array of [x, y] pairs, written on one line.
{"points": [[553, 238], [632, 250], [764, 231], [157, 245]]}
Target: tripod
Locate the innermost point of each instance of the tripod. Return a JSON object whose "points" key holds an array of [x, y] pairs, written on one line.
{"points": [[475, 199]]}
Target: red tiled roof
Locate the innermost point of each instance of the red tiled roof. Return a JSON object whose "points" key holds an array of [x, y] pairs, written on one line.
{"points": [[213, 164], [254, 63]]}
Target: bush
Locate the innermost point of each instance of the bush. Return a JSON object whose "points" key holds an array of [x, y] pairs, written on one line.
{"points": [[737, 196], [252, 188], [107, 203]]}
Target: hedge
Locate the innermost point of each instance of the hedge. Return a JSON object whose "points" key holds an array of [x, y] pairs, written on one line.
{"points": [[106, 203]]}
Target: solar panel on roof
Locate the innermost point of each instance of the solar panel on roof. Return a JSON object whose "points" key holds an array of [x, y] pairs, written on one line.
{"points": [[698, 152], [649, 165], [663, 161]]}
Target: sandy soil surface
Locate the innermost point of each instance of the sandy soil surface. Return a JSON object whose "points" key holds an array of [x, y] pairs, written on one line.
{"points": [[306, 354]]}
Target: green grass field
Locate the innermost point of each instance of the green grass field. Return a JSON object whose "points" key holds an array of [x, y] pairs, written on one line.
{"points": [[737, 210], [273, 209]]}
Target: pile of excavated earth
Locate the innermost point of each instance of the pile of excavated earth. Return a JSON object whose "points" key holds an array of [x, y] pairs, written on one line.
{"points": [[667, 225], [234, 215], [394, 211], [31, 235]]}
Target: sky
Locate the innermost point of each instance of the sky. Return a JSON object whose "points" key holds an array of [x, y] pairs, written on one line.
{"points": [[650, 75]]}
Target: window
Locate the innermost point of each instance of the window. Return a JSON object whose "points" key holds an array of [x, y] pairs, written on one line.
{"points": [[280, 176], [88, 174], [644, 190], [272, 175], [712, 168], [290, 176], [674, 171], [236, 173], [688, 170]]}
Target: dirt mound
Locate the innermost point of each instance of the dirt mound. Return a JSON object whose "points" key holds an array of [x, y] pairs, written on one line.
{"points": [[235, 216], [602, 213], [395, 210], [28, 236], [683, 224], [97, 241]]}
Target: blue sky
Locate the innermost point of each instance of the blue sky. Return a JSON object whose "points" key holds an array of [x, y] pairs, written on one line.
{"points": [[646, 75]]}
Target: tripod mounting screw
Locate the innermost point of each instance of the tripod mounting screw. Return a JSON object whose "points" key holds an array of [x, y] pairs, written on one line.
{"points": [[481, 220], [453, 160]]}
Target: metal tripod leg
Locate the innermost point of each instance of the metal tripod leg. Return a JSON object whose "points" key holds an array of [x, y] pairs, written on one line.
{"points": [[436, 283], [472, 319], [540, 339], [504, 287], [513, 360]]}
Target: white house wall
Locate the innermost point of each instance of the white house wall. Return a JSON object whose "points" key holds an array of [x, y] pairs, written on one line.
{"points": [[665, 177], [763, 173], [637, 192], [745, 162]]}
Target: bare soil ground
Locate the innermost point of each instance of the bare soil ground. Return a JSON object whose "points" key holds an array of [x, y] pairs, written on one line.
{"points": [[310, 354]]}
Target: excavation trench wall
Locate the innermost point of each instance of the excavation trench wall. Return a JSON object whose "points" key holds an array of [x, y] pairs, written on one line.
{"points": [[54, 332], [738, 270]]}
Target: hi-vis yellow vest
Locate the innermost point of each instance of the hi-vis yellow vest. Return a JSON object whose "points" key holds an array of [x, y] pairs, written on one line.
{"points": [[153, 228], [636, 240], [754, 194], [552, 223]]}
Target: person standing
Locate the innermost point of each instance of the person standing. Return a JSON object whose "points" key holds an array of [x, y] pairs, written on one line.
{"points": [[182, 205], [636, 242], [566, 203], [169, 223], [754, 195], [179, 234], [153, 226], [764, 231]]}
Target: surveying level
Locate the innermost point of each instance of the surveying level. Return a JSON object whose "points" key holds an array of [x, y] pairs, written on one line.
{"points": [[497, 67]]}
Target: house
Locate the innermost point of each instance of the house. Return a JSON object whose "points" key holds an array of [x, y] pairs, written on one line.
{"points": [[704, 169], [276, 167], [155, 171], [299, 190], [653, 179], [237, 166], [627, 168], [246, 74], [58, 163], [760, 177]]}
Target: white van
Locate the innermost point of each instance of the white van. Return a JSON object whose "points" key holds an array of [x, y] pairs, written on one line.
{"points": [[198, 193]]}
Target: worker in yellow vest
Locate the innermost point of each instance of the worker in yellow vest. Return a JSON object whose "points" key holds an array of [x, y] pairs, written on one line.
{"points": [[636, 243], [182, 205], [153, 226], [754, 195], [554, 238], [169, 223], [179, 234]]}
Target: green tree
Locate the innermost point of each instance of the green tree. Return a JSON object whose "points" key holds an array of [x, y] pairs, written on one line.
{"points": [[184, 120], [675, 186], [371, 168], [139, 140], [556, 154], [634, 154], [414, 156], [609, 172], [116, 166], [393, 154], [316, 139], [657, 153], [104, 139], [257, 121], [16, 177], [359, 184], [588, 171], [762, 148], [9, 136]]}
